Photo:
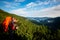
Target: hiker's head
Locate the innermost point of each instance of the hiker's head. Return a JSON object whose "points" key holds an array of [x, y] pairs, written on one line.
{"points": [[14, 19]]}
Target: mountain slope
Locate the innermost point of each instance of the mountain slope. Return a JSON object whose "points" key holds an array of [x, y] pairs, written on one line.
{"points": [[28, 30], [26, 27]]}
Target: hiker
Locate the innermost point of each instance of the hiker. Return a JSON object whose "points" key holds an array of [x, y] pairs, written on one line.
{"points": [[12, 28], [8, 24]]}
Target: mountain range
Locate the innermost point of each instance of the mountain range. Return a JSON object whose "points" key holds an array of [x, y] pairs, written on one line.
{"points": [[48, 21]]}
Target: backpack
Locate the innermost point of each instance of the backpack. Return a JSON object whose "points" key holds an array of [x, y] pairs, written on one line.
{"points": [[6, 22]]}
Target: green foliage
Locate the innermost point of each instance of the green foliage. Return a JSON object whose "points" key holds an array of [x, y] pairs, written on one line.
{"points": [[29, 30]]}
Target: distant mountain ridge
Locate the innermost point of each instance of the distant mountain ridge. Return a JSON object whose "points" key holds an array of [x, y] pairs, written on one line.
{"points": [[50, 22], [43, 19]]}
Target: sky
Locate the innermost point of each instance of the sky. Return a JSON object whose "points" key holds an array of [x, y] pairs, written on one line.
{"points": [[32, 8]]}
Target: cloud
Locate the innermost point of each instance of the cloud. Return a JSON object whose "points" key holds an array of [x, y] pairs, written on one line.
{"points": [[57, 8], [19, 0], [33, 9], [10, 4], [21, 12], [32, 4], [6, 2], [36, 5], [47, 12], [58, 0], [39, 3]]}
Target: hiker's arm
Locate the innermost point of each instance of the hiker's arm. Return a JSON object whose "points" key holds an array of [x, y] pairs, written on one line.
{"points": [[16, 27]]}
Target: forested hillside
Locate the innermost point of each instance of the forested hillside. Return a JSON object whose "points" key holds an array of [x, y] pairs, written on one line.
{"points": [[28, 30]]}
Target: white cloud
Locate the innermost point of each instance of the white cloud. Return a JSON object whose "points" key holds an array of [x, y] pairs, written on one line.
{"points": [[54, 8], [57, 8], [35, 5], [50, 12], [47, 12], [6, 2], [32, 4], [19, 0], [57, 0], [46, 2], [38, 3], [20, 12], [10, 4]]}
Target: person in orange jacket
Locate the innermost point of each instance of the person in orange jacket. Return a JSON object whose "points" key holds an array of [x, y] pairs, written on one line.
{"points": [[8, 23]]}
